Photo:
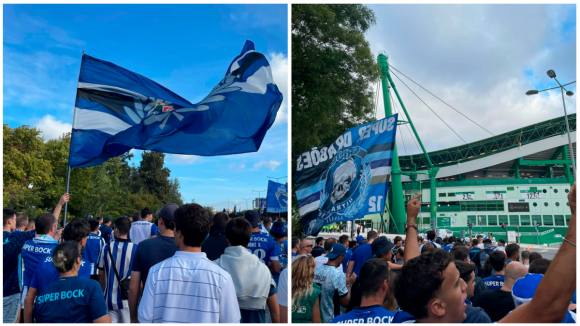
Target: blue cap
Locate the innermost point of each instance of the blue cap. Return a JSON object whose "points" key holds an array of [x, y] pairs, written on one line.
{"points": [[336, 250], [167, 211]]}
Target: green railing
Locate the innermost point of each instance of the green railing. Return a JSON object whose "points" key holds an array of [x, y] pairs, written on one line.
{"points": [[490, 182]]}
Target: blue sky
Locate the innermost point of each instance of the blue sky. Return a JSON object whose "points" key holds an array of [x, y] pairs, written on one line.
{"points": [[186, 48]]}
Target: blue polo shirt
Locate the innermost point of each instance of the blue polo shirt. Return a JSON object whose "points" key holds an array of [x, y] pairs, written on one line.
{"points": [[264, 247], [360, 256], [494, 282], [70, 300], [369, 315], [13, 243], [106, 233], [346, 259], [46, 273], [282, 258]]}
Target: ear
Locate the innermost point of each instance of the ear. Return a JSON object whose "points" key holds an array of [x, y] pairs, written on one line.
{"points": [[436, 307], [385, 286], [78, 260]]}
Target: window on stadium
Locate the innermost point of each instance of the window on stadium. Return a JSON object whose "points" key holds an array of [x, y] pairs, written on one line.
{"points": [[472, 219], [559, 220], [514, 220], [451, 194], [483, 220], [548, 220], [442, 194], [503, 219], [536, 219], [492, 219], [525, 220], [567, 219], [482, 206]]}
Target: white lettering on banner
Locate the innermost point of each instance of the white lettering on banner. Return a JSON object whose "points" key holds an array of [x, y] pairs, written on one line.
{"points": [[375, 204], [370, 320], [331, 151], [299, 164], [391, 122]]}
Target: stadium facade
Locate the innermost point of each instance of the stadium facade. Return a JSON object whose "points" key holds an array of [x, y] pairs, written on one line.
{"points": [[518, 178]]}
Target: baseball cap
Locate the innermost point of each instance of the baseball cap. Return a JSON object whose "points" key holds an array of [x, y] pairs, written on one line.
{"points": [[167, 211], [107, 219], [336, 250], [253, 217], [381, 246], [278, 230], [317, 251]]}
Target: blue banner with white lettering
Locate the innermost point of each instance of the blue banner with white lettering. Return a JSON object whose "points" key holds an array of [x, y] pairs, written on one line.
{"points": [[117, 110], [277, 198], [347, 179]]}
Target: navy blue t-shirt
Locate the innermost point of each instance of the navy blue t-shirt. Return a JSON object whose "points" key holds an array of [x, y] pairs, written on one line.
{"points": [[13, 243], [70, 300], [494, 282], [369, 315], [106, 233], [151, 252], [360, 256], [46, 273]]}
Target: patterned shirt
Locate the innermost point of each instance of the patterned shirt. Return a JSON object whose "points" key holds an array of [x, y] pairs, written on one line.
{"points": [[330, 279], [122, 251]]}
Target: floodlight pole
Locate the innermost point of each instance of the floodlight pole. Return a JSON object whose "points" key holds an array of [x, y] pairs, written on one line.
{"points": [[568, 132]]}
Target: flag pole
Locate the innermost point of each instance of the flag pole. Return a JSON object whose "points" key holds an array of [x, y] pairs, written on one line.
{"points": [[68, 168]]}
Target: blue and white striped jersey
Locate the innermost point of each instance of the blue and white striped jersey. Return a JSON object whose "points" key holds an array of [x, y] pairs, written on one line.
{"points": [[123, 251]]}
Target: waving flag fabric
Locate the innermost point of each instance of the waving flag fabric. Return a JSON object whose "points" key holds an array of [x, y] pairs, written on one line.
{"points": [[262, 205], [277, 198], [348, 179], [117, 110]]}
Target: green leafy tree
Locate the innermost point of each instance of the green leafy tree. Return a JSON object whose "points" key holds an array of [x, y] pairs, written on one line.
{"points": [[155, 177], [332, 73]]}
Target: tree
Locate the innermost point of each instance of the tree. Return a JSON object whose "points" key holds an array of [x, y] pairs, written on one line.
{"points": [[332, 73], [174, 196], [155, 177]]}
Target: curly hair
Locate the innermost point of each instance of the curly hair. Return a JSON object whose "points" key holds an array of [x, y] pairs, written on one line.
{"points": [[302, 278], [420, 281]]}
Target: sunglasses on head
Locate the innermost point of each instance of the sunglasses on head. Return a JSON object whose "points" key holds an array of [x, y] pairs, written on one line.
{"points": [[309, 246]]}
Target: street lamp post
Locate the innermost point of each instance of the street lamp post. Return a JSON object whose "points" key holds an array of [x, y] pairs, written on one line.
{"points": [[278, 178], [259, 196], [552, 74]]}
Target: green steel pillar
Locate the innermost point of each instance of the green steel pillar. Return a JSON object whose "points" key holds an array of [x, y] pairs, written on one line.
{"points": [[567, 173], [398, 202], [432, 173], [517, 170]]}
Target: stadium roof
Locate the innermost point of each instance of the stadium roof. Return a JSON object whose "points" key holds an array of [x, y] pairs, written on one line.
{"points": [[539, 141]]}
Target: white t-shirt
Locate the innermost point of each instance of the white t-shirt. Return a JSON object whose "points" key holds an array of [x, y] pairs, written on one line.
{"points": [[480, 245], [141, 230], [189, 288], [282, 298]]}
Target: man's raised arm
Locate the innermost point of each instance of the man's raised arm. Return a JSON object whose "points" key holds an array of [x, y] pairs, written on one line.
{"points": [[554, 293], [411, 244]]}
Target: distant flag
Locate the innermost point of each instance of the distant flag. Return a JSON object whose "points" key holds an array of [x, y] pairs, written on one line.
{"points": [[117, 110], [262, 205], [234, 210], [224, 210]]}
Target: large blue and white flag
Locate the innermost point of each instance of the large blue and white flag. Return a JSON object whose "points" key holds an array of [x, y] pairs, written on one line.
{"points": [[348, 179], [117, 110], [277, 198]]}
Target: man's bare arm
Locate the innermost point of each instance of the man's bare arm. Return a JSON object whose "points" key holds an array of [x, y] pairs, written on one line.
{"points": [[64, 199], [554, 293], [412, 246]]}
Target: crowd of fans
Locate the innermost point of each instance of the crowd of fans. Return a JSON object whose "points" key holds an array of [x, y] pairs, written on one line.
{"points": [[433, 280], [187, 267]]}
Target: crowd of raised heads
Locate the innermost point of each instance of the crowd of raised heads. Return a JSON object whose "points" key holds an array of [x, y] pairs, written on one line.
{"points": [[139, 268], [429, 279]]}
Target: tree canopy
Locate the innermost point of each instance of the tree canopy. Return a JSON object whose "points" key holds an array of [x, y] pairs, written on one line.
{"points": [[35, 176], [332, 73]]}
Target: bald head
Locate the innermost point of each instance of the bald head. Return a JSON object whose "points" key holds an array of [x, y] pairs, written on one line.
{"points": [[305, 247], [514, 271]]}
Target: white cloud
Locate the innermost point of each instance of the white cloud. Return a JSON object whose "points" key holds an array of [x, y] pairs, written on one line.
{"points": [[238, 168], [272, 165], [184, 159], [279, 65], [481, 59], [52, 128]]}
